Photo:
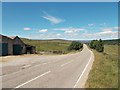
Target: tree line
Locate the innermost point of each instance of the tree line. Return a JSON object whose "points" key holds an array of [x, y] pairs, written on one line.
{"points": [[97, 45]]}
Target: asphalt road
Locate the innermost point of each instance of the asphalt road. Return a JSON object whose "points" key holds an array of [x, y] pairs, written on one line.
{"points": [[59, 71]]}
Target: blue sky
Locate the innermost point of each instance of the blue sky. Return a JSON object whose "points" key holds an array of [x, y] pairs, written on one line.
{"points": [[73, 21]]}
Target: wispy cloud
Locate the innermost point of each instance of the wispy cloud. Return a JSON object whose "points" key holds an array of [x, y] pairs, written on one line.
{"points": [[52, 19], [116, 28], [58, 34], [70, 29], [103, 24], [111, 29], [27, 28], [73, 33], [106, 33], [91, 25], [51, 35], [43, 30], [70, 32], [107, 29]]}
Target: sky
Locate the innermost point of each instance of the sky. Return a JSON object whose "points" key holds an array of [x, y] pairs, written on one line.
{"points": [[60, 0], [60, 20]]}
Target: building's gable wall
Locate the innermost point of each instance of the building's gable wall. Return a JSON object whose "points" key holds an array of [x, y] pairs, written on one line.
{"points": [[10, 43], [18, 41]]}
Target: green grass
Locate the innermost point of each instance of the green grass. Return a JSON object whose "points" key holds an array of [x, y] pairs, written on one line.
{"points": [[104, 73], [49, 45]]}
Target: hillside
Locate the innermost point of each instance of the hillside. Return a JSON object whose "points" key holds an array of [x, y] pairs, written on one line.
{"points": [[59, 44], [48, 45]]}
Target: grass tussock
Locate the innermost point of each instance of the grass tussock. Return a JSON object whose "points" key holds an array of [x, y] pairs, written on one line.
{"points": [[104, 73]]}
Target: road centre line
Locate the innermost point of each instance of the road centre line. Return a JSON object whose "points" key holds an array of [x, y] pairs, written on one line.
{"points": [[32, 80], [23, 69], [65, 63]]}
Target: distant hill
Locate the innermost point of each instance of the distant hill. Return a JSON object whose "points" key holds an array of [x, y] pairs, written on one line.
{"points": [[48, 40], [112, 42], [60, 44], [106, 42], [48, 45], [85, 41]]}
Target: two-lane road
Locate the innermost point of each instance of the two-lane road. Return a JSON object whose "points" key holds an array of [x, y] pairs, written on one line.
{"points": [[60, 71]]}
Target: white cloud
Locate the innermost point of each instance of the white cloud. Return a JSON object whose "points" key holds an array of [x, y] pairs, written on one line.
{"points": [[61, 29], [104, 32], [91, 25], [107, 29], [27, 28], [43, 30], [102, 35], [70, 29], [52, 19], [103, 24], [77, 36], [111, 29], [69, 32], [58, 34], [74, 34], [51, 35], [116, 28]]}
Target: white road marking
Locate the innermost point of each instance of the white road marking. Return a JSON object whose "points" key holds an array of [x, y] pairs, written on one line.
{"points": [[32, 80], [22, 69], [44, 63], [65, 64], [83, 71], [26, 66]]}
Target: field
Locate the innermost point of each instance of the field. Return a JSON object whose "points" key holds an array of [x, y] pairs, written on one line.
{"points": [[104, 73], [49, 45], [112, 42]]}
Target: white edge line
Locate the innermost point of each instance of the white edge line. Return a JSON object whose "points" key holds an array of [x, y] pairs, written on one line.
{"points": [[83, 71], [32, 79]]}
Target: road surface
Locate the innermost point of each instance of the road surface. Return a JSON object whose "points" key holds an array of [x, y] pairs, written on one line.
{"points": [[57, 71]]}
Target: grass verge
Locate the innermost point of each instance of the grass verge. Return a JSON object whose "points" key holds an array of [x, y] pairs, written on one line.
{"points": [[104, 73]]}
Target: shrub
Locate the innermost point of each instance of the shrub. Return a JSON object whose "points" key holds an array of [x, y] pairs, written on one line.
{"points": [[97, 44], [75, 46], [58, 52]]}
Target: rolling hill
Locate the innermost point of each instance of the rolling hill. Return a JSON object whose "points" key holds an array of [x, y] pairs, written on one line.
{"points": [[48, 45]]}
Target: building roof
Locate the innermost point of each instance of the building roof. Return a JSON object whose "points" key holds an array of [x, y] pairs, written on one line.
{"points": [[12, 37], [4, 36]]}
